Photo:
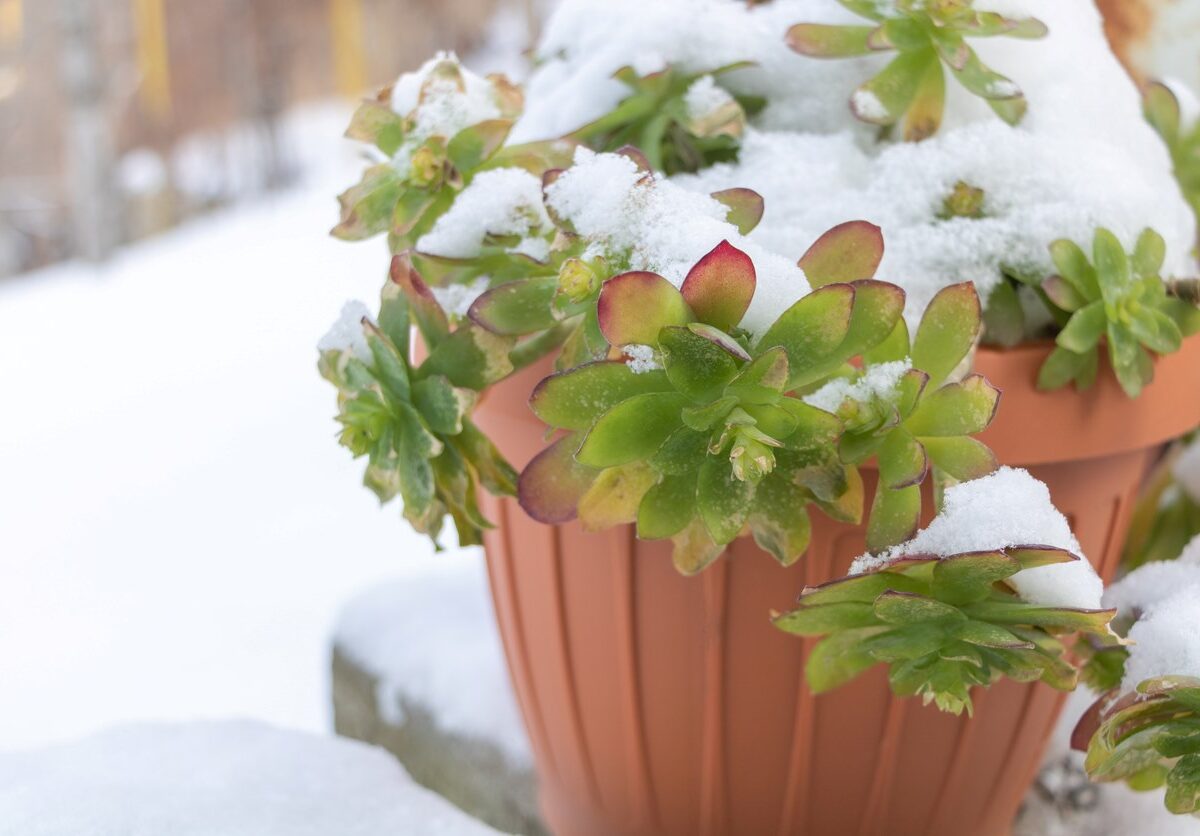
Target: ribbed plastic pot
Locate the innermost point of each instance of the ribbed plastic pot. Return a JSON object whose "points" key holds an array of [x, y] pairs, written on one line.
{"points": [[659, 704]]}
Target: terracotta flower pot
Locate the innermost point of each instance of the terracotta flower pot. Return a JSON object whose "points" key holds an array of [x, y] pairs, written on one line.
{"points": [[659, 704]]}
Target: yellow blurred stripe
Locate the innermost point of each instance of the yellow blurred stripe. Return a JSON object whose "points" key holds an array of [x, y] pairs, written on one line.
{"points": [[153, 57], [11, 21], [349, 57]]}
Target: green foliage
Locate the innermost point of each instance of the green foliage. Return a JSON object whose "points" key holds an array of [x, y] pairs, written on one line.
{"points": [[925, 423], [1119, 299], [1165, 519], [413, 424], [1162, 111], [715, 437], [1149, 739], [656, 119], [405, 195], [929, 36], [942, 626]]}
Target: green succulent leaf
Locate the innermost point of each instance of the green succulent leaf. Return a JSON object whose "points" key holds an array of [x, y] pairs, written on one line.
{"points": [[634, 307], [811, 331], [847, 253], [633, 429], [572, 400], [947, 332]]}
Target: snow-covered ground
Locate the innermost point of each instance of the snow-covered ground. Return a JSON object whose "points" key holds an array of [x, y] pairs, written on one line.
{"points": [[177, 523], [227, 778]]}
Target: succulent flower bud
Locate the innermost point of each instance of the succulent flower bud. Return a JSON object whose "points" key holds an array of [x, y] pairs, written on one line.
{"points": [[577, 280], [964, 201], [425, 166]]}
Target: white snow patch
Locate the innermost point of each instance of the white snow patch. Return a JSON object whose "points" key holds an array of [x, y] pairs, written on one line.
{"points": [[1007, 508], [641, 358], [868, 106], [432, 639], [1186, 470], [235, 778], [347, 334], [652, 224], [1154, 582], [456, 299], [704, 97], [503, 201], [1165, 640], [874, 382]]}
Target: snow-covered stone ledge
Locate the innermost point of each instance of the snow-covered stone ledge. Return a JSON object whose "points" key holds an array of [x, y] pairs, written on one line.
{"points": [[233, 778], [418, 669]]}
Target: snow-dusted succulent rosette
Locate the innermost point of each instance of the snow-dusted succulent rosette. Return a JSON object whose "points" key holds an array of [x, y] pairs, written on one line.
{"points": [[989, 589], [1146, 729]]}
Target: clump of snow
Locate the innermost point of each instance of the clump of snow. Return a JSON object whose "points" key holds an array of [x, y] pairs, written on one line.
{"points": [[1147, 585], [876, 382], [1082, 156], [500, 202], [347, 334], [438, 105], [704, 97], [456, 299], [433, 641], [652, 224], [1186, 470], [641, 358], [867, 105], [1008, 508], [1165, 640], [235, 778]]}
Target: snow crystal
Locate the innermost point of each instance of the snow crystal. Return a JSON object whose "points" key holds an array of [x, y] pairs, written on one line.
{"points": [[1147, 585], [1165, 640], [867, 105], [878, 381], [235, 778], [456, 299], [1007, 508], [653, 224], [704, 97], [641, 358], [503, 201], [1186, 470], [347, 333], [1082, 157], [433, 640]]}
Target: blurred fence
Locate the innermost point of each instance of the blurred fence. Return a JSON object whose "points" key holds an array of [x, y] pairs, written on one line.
{"points": [[119, 118]]}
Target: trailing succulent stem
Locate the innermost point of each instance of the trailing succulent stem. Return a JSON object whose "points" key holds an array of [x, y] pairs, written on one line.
{"points": [[942, 626], [929, 36], [1119, 299], [681, 121], [696, 430], [1148, 739], [412, 422]]}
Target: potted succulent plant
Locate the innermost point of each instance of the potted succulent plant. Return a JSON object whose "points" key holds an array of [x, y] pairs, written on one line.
{"points": [[622, 378]]}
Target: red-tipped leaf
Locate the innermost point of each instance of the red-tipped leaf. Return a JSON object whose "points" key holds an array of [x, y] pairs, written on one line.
{"points": [[634, 307], [746, 207], [720, 286], [552, 484], [847, 253]]}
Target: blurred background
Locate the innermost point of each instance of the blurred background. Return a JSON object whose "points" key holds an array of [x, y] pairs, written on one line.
{"points": [[122, 118], [178, 527]]}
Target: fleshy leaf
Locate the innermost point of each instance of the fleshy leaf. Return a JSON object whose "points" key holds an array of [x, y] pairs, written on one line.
{"points": [[634, 307], [722, 500], [964, 408], [812, 330], [818, 40], [746, 208], [552, 484], [961, 458], [718, 289], [846, 253], [947, 331], [614, 497], [516, 308], [695, 366], [573, 399], [668, 507], [633, 429]]}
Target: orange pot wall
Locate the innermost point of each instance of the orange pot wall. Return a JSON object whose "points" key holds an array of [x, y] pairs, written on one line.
{"points": [[658, 704]]}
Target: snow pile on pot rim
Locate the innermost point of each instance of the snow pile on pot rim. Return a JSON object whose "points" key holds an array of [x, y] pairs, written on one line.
{"points": [[1082, 157], [1005, 509], [1165, 599]]}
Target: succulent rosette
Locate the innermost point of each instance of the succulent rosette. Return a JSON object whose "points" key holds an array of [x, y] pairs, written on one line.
{"points": [[927, 34], [1118, 298], [697, 430]]}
